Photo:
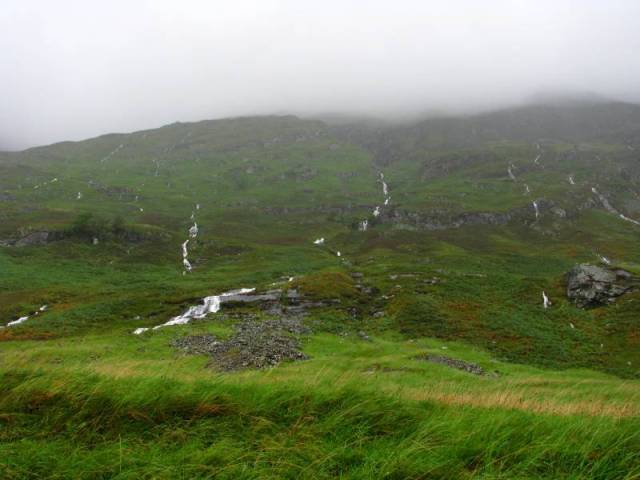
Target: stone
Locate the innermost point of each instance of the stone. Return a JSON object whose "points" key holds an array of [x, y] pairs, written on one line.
{"points": [[363, 335], [593, 286]]}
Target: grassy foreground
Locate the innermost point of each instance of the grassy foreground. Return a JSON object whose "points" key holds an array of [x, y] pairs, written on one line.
{"points": [[129, 407]]}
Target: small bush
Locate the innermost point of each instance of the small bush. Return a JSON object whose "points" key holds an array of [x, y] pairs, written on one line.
{"points": [[87, 225]]}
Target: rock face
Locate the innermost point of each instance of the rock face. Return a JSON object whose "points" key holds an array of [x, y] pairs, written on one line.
{"points": [[592, 286], [44, 237], [442, 220], [31, 239]]}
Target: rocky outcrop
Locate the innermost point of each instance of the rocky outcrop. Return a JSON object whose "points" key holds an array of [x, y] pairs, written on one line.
{"points": [[441, 220], [43, 237], [593, 286], [33, 238]]}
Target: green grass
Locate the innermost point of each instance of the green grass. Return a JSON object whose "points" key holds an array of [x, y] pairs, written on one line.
{"points": [[122, 406], [81, 397]]}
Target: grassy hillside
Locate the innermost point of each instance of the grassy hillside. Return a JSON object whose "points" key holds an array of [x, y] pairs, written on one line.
{"points": [[454, 264]]}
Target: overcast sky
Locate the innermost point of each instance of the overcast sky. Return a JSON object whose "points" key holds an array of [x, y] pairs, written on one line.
{"points": [[72, 69]]}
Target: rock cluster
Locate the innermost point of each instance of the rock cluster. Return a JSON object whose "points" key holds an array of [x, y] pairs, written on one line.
{"points": [[468, 367], [196, 344], [254, 344], [593, 286]]}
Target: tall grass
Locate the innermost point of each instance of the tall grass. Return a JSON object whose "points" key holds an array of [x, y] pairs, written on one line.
{"points": [[81, 426]]}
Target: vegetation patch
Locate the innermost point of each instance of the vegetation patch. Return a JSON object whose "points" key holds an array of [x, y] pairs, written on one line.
{"points": [[327, 286]]}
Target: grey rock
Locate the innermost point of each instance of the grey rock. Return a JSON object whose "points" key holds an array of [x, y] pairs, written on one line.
{"points": [[592, 286], [34, 238], [271, 296], [196, 344], [254, 344], [468, 367], [364, 336], [623, 274]]}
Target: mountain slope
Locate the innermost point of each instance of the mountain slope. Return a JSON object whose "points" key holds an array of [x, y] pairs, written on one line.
{"points": [[520, 213], [374, 251]]}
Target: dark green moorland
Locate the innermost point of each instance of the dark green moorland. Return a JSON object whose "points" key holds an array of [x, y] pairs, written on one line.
{"points": [[455, 264]]}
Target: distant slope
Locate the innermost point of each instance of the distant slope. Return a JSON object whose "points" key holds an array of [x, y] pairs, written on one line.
{"points": [[613, 122], [457, 226]]}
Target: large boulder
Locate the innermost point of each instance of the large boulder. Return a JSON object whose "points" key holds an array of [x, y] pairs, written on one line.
{"points": [[593, 286]]}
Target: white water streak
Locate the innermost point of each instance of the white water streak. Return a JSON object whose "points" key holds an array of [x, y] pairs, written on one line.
{"points": [[187, 265], [610, 208], [605, 260], [210, 305], [546, 303], [364, 224], [193, 233], [18, 321], [112, 153]]}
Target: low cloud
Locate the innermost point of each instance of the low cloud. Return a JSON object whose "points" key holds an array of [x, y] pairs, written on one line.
{"points": [[74, 69]]}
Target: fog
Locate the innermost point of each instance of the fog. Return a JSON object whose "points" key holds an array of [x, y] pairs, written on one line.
{"points": [[75, 69]]}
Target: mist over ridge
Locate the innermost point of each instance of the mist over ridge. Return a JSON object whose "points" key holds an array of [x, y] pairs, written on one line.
{"points": [[74, 70]]}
